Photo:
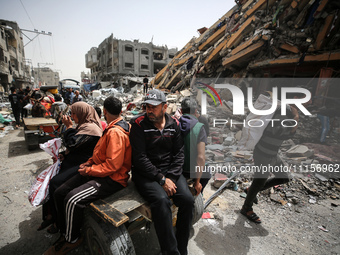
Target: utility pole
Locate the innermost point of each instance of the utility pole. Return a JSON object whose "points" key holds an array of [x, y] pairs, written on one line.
{"points": [[36, 32]]}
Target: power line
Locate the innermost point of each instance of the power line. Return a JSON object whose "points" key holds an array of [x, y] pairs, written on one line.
{"points": [[27, 13]]}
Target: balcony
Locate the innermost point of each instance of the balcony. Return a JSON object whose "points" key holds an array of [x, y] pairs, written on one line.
{"points": [[12, 51], [4, 68]]}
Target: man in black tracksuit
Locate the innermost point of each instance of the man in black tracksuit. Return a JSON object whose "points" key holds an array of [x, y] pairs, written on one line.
{"points": [[157, 161]]}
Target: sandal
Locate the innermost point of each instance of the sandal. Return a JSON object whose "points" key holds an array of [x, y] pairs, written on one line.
{"points": [[251, 215], [256, 201], [45, 224], [52, 229]]}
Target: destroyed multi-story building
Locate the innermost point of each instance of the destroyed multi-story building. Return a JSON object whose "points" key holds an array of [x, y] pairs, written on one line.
{"points": [[262, 38], [115, 57], [13, 71], [46, 76]]}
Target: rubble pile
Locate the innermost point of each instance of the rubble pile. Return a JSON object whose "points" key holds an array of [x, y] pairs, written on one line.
{"points": [[260, 38], [6, 118], [310, 128], [314, 169]]}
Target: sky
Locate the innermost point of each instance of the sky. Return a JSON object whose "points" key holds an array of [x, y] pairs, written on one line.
{"points": [[79, 25]]}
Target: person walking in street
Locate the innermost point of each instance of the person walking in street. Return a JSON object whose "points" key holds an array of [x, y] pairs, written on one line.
{"points": [[266, 155], [145, 84], [16, 100], [157, 159], [105, 173]]}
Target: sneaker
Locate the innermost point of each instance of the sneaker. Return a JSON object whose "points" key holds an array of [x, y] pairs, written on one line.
{"points": [[63, 247]]}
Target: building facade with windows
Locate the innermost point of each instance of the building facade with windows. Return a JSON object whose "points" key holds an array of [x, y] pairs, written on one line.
{"points": [[13, 70], [46, 76], [114, 57]]}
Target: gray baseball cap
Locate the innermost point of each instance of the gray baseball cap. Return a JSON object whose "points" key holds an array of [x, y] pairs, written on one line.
{"points": [[155, 97]]}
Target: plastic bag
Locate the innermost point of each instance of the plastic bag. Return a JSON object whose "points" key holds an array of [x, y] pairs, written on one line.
{"points": [[28, 106], [251, 135], [38, 194]]}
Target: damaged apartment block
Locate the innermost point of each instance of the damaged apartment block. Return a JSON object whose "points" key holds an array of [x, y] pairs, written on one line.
{"points": [[264, 38], [115, 58]]}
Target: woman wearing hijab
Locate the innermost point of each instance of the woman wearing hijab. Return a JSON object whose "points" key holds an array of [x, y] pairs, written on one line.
{"points": [[79, 142]]}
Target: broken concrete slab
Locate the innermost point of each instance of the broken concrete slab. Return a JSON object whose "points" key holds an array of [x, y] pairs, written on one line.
{"points": [[185, 93], [299, 151], [215, 147]]}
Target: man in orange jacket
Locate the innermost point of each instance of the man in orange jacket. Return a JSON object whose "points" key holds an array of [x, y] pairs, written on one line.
{"points": [[103, 174]]}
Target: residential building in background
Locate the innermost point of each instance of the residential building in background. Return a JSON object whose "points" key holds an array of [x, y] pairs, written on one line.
{"points": [[115, 58], [46, 76], [13, 68], [85, 77]]}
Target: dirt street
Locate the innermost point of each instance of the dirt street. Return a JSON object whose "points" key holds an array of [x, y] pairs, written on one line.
{"points": [[288, 229]]}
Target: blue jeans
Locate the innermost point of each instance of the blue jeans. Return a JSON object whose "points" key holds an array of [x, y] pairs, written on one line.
{"points": [[324, 127]]}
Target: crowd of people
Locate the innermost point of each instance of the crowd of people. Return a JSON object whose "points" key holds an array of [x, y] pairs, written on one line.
{"points": [[98, 159], [162, 152], [40, 103]]}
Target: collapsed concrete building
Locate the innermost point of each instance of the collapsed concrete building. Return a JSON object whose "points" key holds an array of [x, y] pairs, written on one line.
{"points": [[262, 38], [116, 58]]}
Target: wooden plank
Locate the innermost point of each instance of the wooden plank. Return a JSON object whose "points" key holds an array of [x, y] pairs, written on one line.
{"points": [[114, 207], [215, 52], [173, 78], [109, 213], [290, 48], [39, 121], [237, 36], [159, 75], [300, 20], [254, 8], [189, 44], [213, 38], [335, 56], [245, 45], [228, 14], [183, 60], [163, 80], [319, 42], [181, 53], [126, 199], [320, 9], [245, 6], [243, 55]]}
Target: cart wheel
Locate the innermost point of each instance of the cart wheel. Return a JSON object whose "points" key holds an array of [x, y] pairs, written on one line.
{"points": [[30, 141], [198, 209], [104, 238]]}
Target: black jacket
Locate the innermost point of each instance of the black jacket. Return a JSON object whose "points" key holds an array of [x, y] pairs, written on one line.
{"points": [[154, 153], [275, 133]]}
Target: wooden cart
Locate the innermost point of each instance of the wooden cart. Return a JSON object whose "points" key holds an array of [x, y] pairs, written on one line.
{"points": [[110, 222], [39, 130]]}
